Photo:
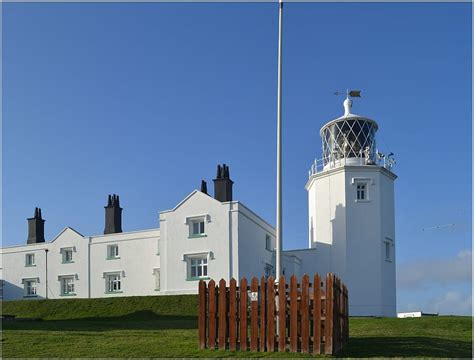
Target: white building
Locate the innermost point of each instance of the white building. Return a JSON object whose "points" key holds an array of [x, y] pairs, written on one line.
{"points": [[351, 233]]}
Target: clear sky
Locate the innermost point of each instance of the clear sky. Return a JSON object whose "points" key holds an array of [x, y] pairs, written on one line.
{"points": [[144, 100]]}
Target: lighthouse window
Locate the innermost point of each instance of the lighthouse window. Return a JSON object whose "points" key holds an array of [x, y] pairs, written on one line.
{"points": [[361, 191]]}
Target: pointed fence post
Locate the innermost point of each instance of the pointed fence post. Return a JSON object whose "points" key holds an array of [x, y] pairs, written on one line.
{"points": [[233, 314], [317, 314], [305, 312], [222, 314], [211, 344], [243, 314], [271, 315], [282, 314], [263, 303], [254, 316], [202, 314], [328, 322], [293, 314]]}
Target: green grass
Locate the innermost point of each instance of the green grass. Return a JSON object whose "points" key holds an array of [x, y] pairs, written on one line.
{"points": [[167, 327]]}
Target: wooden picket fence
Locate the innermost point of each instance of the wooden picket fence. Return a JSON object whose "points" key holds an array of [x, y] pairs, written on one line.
{"points": [[300, 317]]}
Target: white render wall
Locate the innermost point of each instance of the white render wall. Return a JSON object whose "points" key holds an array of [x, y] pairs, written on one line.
{"points": [[355, 232]]}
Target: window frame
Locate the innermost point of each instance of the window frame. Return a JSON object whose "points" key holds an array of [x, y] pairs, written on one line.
{"points": [[268, 242], [64, 252], [115, 254], [29, 263], [27, 286], [63, 285], [109, 281], [388, 245], [201, 222], [157, 274], [199, 262]]}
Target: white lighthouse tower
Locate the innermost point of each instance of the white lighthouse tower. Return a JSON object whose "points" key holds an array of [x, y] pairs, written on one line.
{"points": [[351, 212]]}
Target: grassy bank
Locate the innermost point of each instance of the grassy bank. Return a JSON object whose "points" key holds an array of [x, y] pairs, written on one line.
{"points": [[167, 327]]}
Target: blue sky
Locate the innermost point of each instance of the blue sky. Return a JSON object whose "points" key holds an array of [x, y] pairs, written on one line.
{"points": [[144, 100]]}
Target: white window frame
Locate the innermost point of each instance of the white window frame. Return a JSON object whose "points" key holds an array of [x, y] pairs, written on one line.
{"points": [[113, 252], [201, 222], [190, 261], [64, 252], [362, 192], [113, 282], [268, 242], [388, 249], [27, 287], [65, 288], [27, 259], [157, 274], [362, 181]]}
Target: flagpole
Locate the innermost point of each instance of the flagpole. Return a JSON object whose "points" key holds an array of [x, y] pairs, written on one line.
{"points": [[279, 232]]}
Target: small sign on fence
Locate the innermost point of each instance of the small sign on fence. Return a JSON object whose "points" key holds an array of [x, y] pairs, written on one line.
{"points": [[307, 317]]}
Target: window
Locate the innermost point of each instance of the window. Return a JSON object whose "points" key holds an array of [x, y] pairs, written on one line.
{"points": [[30, 260], [157, 274], [30, 287], [67, 285], [158, 247], [361, 191], [67, 255], [268, 242], [113, 283], [268, 270], [198, 228], [113, 252], [388, 249], [198, 267]]}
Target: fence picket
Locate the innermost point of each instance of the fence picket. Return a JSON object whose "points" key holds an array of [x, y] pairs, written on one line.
{"points": [[212, 315], [263, 303], [317, 314], [222, 314], [254, 316], [233, 314], [305, 312], [293, 314], [271, 314], [243, 314], [202, 314], [282, 314], [328, 322]]}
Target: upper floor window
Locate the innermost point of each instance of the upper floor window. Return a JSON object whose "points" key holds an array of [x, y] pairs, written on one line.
{"points": [[67, 255], [67, 285], [388, 249], [361, 191], [197, 227], [268, 242], [30, 260], [113, 252]]}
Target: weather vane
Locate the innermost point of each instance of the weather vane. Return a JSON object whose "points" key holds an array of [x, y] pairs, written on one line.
{"points": [[351, 93]]}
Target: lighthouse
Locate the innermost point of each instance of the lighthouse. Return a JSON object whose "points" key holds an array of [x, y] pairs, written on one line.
{"points": [[351, 212]]}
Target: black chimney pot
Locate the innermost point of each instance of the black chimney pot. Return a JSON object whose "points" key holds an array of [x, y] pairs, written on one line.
{"points": [[223, 184], [35, 228], [113, 215]]}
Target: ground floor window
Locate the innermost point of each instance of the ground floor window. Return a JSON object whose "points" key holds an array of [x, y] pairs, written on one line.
{"points": [[113, 283], [198, 267], [67, 285], [30, 287]]}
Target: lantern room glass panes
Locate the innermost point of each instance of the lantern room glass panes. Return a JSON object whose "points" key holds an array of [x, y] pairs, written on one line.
{"points": [[349, 138]]}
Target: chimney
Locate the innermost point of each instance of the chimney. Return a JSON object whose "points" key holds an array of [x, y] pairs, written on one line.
{"points": [[223, 184], [204, 187], [113, 215], [35, 228]]}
